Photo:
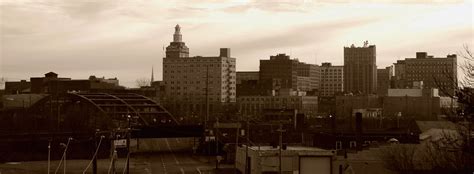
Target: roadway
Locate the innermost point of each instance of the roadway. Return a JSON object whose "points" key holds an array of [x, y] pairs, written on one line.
{"points": [[173, 155], [169, 156]]}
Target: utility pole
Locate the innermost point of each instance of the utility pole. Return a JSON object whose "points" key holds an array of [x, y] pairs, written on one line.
{"points": [[207, 112], [247, 169], [207, 94], [236, 145], [49, 155], [128, 144], [94, 161], [280, 129], [217, 142]]}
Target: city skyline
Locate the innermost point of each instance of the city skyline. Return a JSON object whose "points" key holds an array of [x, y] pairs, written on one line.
{"points": [[111, 39]]}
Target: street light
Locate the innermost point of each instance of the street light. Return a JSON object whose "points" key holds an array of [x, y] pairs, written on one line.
{"points": [[129, 117], [399, 115]]}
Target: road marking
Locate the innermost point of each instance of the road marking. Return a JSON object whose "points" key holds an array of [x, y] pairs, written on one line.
{"points": [[169, 148], [168, 144], [148, 169], [164, 165], [199, 170], [182, 170]]}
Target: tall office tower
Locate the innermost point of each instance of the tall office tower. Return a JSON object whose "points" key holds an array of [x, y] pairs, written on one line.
{"points": [[332, 79], [384, 79], [360, 70], [434, 72], [189, 80]]}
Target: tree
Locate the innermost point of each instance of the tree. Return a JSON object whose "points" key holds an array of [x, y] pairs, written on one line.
{"points": [[2, 83], [400, 157], [142, 82]]}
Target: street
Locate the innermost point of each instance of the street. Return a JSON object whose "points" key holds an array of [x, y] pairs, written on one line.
{"points": [[170, 156]]}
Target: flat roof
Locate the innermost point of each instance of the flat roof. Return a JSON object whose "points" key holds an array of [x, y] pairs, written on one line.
{"points": [[292, 148]]}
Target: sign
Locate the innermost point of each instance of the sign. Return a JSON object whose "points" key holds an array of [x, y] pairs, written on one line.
{"points": [[122, 143]]}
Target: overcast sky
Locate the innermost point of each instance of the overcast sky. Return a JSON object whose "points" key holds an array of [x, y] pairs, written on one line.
{"points": [[124, 39]]}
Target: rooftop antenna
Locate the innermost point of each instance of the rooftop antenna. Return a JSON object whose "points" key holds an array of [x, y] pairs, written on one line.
{"points": [[164, 55]]}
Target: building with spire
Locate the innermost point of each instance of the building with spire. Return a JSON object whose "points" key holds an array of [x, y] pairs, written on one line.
{"points": [[177, 48], [191, 82]]}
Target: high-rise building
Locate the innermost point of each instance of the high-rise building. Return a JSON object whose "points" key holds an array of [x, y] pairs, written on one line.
{"points": [[189, 81], [332, 79], [438, 73], [281, 72], [384, 77], [360, 70]]}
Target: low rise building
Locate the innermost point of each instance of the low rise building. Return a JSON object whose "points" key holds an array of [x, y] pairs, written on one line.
{"points": [[248, 83], [255, 105], [302, 160]]}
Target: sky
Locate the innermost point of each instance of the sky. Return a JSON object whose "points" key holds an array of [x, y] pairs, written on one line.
{"points": [[125, 38]]}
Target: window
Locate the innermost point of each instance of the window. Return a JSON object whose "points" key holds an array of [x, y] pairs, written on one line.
{"points": [[352, 144]]}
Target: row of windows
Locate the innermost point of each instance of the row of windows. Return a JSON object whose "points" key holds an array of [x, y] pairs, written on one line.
{"points": [[201, 94], [270, 99], [198, 65], [332, 80]]}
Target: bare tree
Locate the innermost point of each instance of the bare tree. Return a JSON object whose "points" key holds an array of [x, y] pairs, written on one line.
{"points": [[400, 157], [2, 82], [142, 82]]}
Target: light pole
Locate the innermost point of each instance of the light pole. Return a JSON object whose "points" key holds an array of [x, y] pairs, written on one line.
{"points": [[399, 115], [128, 143], [280, 129], [247, 147]]}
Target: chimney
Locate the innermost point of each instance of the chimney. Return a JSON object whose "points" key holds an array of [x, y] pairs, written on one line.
{"points": [[225, 52]]}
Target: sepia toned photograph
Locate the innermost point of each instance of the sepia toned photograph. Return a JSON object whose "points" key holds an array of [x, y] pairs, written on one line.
{"points": [[236, 86]]}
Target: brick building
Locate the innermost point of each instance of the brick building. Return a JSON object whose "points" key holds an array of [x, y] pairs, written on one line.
{"points": [[384, 77], [332, 79], [360, 70], [438, 73], [191, 82]]}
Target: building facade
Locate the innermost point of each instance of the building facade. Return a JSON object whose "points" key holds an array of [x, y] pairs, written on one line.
{"points": [[360, 70], [384, 78], [256, 105], [308, 77], [281, 72], [332, 79], [192, 82], [438, 73], [248, 83]]}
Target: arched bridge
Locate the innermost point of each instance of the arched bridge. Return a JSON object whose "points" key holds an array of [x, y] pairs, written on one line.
{"points": [[83, 113]]}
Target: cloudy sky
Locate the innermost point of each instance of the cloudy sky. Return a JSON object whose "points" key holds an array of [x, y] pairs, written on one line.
{"points": [[125, 38]]}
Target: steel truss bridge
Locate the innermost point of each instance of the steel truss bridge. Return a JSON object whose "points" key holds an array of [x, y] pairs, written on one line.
{"points": [[85, 113]]}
